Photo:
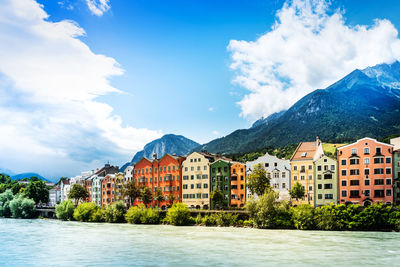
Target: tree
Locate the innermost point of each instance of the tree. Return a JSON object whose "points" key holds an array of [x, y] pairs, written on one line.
{"points": [[131, 191], [16, 187], [258, 181], [146, 195], [217, 198], [22, 207], [37, 191], [178, 214], [65, 210], [159, 196], [297, 191], [171, 199], [78, 193], [5, 199]]}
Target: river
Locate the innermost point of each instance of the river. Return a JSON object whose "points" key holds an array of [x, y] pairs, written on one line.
{"points": [[51, 242]]}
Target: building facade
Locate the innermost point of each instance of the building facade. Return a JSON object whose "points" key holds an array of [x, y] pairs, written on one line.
{"points": [[326, 181], [196, 180], [302, 169], [119, 185], [278, 170], [108, 190], [54, 196], [365, 172], [238, 184], [396, 169], [96, 189], [143, 176], [220, 178]]}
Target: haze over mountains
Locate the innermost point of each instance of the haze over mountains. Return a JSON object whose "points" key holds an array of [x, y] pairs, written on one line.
{"points": [[364, 103]]}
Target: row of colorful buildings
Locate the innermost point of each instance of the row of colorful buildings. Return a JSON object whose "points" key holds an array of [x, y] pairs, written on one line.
{"points": [[364, 172]]}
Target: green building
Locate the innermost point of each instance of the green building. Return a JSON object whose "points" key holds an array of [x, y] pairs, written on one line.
{"points": [[326, 181], [396, 169], [220, 178]]}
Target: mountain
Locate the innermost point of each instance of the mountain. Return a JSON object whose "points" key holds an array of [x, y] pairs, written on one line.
{"points": [[168, 144], [364, 103], [28, 175], [266, 120], [6, 171]]}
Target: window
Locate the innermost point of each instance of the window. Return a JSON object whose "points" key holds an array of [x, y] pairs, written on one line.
{"points": [[198, 195], [354, 182], [319, 196], [366, 171], [366, 193], [192, 186], [302, 177], [310, 167], [379, 182], [234, 186], [354, 151], [328, 186], [191, 160], [241, 177], [366, 150], [310, 188], [332, 167], [389, 192], [388, 171], [388, 181], [295, 168], [283, 185], [225, 187], [198, 168], [276, 174], [344, 193], [205, 176], [343, 162], [192, 168], [328, 196], [378, 150], [378, 171], [185, 186], [366, 160], [198, 185], [354, 172], [328, 176], [354, 161], [379, 193], [304, 154], [267, 165], [378, 160], [283, 174], [319, 167], [205, 195], [388, 160], [295, 178], [205, 185], [319, 177], [354, 193], [367, 182], [344, 183], [319, 186], [198, 176], [344, 172], [205, 168], [310, 177], [191, 177]]}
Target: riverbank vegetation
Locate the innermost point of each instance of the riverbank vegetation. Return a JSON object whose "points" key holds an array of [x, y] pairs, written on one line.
{"points": [[16, 206]]}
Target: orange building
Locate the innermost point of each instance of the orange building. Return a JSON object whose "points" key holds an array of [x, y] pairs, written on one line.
{"points": [[365, 172], [238, 184], [164, 174], [88, 186], [108, 190]]}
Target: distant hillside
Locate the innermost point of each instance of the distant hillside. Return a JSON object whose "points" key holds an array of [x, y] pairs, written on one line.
{"points": [[28, 175], [364, 103], [168, 144]]}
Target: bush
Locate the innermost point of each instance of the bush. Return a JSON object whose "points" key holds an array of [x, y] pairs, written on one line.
{"points": [[98, 215], [178, 215], [22, 207], [209, 220], [115, 213], [248, 223], [303, 217], [142, 215], [226, 219], [5, 199], [198, 219], [85, 211], [65, 210]]}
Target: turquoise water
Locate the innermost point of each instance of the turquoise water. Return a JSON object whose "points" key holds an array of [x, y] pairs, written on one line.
{"points": [[56, 243]]}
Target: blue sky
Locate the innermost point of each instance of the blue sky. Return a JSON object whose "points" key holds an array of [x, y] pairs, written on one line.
{"points": [[198, 68]]}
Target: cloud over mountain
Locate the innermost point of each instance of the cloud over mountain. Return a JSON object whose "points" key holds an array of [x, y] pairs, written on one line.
{"points": [[49, 84], [310, 46]]}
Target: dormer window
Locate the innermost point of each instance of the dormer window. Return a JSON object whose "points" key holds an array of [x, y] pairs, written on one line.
{"points": [[304, 154]]}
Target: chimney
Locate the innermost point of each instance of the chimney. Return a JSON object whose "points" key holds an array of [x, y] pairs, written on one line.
{"points": [[318, 141], [155, 155]]}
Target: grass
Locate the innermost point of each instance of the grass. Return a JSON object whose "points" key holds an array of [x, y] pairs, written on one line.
{"points": [[330, 149]]}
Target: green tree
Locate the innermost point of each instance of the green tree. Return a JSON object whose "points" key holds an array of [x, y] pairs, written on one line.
{"points": [[131, 191], [178, 214], [65, 210], [217, 198], [171, 199], [258, 181], [84, 212], [146, 196], [5, 199], [303, 217], [22, 207], [115, 213], [37, 191], [78, 193], [16, 187], [297, 192], [5, 179], [159, 196]]}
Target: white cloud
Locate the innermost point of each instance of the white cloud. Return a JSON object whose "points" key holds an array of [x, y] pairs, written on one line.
{"points": [[51, 120], [98, 7], [309, 47], [211, 109]]}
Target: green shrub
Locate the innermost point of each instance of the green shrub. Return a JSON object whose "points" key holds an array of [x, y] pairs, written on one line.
{"points": [[248, 223], [226, 219], [5, 199], [150, 216], [98, 215], [325, 218], [303, 217], [115, 213], [209, 220], [85, 211], [22, 207], [142, 215], [178, 215], [134, 214], [198, 219], [65, 210]]}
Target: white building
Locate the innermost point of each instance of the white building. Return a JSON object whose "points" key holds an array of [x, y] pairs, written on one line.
{"points": [[54, 196], [279, 172], [65, 185], [96, 189], [128, 173]]}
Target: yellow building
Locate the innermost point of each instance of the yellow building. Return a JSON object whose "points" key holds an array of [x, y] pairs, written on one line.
{"points": [[119, 184], [302, 169], [196, 180]]}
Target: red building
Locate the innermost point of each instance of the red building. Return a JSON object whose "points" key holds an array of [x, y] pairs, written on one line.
{"points": [[365, 172], [108, 190], [88, 186], [164, 174]]}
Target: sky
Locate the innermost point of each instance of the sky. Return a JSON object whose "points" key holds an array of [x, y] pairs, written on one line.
{"points": [[83, 82]]}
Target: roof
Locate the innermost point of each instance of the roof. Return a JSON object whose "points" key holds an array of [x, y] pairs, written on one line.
{"points": [[305, 151], [365, 138]]}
